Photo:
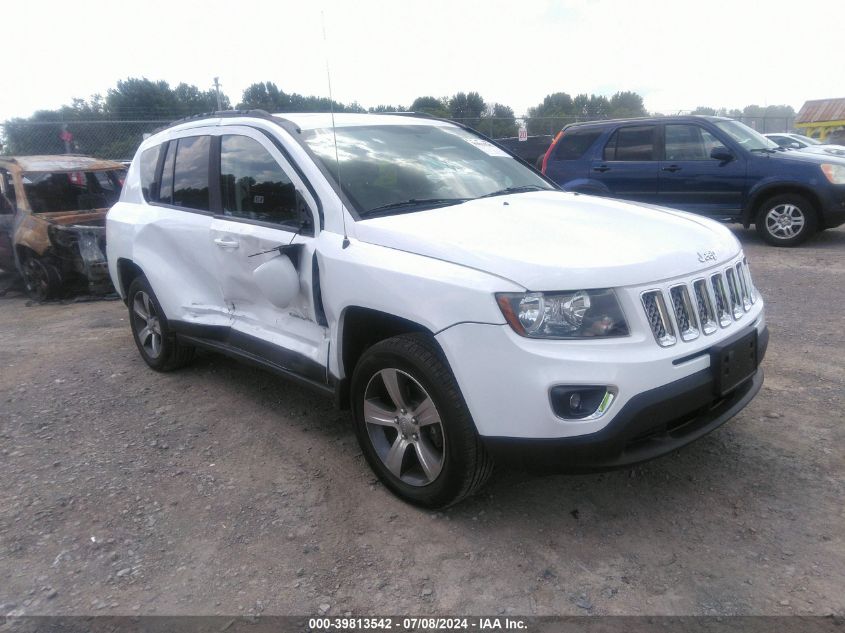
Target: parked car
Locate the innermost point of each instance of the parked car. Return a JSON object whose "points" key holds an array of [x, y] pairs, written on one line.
{"points": [[460, 304], [52, 217], [712, 166], [805, 144], [530, 150]]}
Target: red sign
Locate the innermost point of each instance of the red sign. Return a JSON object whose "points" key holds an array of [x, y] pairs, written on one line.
{"points": [[523, 134]]}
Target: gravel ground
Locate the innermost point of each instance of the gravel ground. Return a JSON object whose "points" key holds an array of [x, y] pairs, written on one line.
{"points": [[223, 489]]}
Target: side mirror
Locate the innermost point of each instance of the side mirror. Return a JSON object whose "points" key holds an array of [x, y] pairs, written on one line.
{"points": [[722, 154], [278, 281]]}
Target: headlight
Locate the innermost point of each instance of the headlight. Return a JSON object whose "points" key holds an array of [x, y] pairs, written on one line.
{"points": [[835, 173], [581, 313]]}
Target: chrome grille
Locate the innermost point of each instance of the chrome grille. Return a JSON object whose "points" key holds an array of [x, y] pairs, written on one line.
{"points": [[699, 306]]}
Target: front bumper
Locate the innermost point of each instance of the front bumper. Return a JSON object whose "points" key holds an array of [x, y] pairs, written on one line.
{"points": [[650, 425], [833, 206]]}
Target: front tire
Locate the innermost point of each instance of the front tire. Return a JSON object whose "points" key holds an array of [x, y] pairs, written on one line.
{"points": [[786, 220], [158, 346], [413, 425], [42, 280]]}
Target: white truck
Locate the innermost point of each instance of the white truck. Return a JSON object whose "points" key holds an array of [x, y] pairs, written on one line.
{"points": [[463, 307]]}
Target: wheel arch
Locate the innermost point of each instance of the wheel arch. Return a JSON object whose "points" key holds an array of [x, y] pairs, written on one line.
{"points": [[127, 272], [777, 189], [359, 328]]}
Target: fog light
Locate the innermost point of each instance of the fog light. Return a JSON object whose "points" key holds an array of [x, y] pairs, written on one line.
{"points": [[581, 402]]}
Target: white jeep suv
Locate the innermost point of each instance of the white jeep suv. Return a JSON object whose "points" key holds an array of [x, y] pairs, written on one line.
{"points": [[463, 307]]}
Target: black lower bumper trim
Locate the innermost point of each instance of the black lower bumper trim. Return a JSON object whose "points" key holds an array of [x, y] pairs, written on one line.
{"points": [[650, 424]]}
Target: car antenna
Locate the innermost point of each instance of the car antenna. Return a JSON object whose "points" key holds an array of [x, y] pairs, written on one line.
{"points": [[345, 243]]}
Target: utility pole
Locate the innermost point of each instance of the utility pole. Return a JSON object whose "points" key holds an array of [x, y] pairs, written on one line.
{"points": [[217, 90]]}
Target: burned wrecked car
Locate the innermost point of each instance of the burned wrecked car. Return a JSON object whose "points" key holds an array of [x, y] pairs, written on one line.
{"points": [[52, 221]]}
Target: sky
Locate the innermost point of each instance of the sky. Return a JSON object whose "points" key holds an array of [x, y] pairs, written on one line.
{"points": [[678, 54]]}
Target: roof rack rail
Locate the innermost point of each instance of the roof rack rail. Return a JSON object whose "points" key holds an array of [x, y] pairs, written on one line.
{"points": [[425, 115], [218, 114]]}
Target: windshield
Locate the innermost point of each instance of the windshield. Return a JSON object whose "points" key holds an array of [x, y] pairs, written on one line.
{"points": [[386, 166], [71, 191], [749, 139]]}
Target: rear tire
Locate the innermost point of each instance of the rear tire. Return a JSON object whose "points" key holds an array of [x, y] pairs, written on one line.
{"points": [[157, 345], [786, 220], [413, 425]]}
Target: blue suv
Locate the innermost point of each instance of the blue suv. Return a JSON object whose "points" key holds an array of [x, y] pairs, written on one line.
{"points": [[713, 166]]}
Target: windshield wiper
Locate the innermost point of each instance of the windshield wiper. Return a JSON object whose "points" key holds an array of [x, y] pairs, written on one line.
{"points": [[411, 205], [767, 150], [507, 190]]}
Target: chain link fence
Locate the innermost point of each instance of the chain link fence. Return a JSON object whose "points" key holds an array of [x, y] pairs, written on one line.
{"points": [[118, 140]]}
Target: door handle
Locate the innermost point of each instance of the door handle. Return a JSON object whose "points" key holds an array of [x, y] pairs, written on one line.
{"points": [[222, 242], [672, 168], [601, 168]]}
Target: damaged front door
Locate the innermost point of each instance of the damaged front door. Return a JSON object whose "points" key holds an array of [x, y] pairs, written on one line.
{"points": [[269, 291]]}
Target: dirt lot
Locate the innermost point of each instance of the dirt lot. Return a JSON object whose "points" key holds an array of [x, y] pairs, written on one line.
{"points": [[223, 489]]}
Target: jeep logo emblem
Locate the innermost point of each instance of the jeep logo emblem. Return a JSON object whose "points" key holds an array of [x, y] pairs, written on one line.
{"points": [[706, 256]]}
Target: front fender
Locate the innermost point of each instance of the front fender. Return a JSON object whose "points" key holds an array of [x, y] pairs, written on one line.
{"points": [[429, 292]]}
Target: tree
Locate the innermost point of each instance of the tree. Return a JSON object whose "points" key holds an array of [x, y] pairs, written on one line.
{"points": [[431, 105], [705, 111], [626, 104], [467, 108], [590, 107], [264, 96], [552, 114], [141, 99], [192, 100], [498, 121]]}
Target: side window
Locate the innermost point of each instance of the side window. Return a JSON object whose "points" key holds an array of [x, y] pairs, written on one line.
{"points": [[689, 142], [190, 173], [149, 162], [165, 193], [572, 145], [254, 186], [631, 144]]}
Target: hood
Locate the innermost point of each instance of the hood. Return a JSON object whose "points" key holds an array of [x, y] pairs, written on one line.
{"points": [[553, 240], [807, 156]]}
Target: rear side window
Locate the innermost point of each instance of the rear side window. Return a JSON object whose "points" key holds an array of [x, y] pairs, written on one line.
{"points": [[190, 173], [149, 162], [631, 144], [572, 145], [166, 188], [254, 186]]}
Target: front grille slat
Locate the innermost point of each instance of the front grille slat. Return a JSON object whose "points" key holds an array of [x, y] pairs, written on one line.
{"points": [[688, 309], [684, 315], [706, 311], [658, 318], [734, 294]]}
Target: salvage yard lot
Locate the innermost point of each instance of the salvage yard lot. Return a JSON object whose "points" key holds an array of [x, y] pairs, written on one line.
{"points": [[224, 489]]}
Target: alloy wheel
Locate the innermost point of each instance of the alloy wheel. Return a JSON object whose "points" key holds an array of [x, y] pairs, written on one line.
{"points": [[785, 221], [147, 324], [404, 427]]}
